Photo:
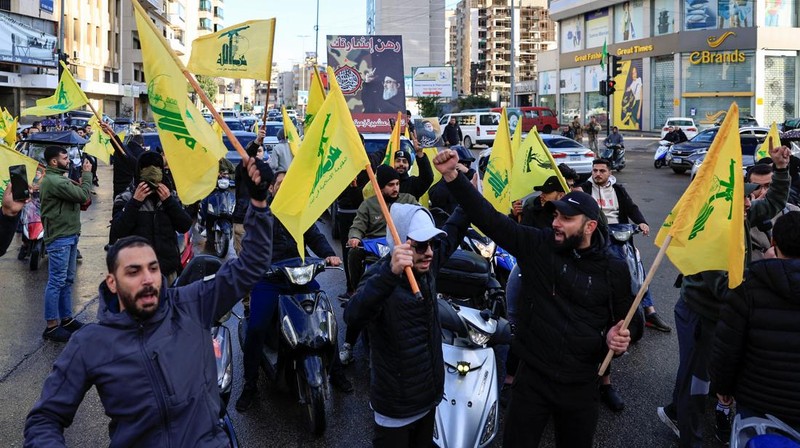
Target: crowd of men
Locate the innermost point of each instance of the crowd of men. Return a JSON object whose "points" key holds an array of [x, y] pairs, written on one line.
{"points": [[567, 298]]}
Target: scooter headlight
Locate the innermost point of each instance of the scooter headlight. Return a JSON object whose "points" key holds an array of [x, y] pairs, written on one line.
{"points": [[300, 275], [223, 183], [383, 250], [621, 235], [478, 337], [462, 367], [210, 208], [288, 331], [490, 427], [486, 250]]}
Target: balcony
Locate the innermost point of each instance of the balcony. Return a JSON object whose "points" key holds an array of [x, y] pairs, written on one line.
{"points": [[205, 5], [153, 4]]}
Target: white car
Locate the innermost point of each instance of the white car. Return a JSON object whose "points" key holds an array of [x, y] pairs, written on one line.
{"points": [[687, 124]]}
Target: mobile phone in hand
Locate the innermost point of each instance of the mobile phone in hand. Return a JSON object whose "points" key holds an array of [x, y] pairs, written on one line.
{"points": [[19, 183]]}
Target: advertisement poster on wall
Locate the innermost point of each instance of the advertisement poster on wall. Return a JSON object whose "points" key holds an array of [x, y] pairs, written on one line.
{"points": [[701, 14], [597, 28], [628, 99], [594, 74], [570, 80], [572, 34], [369, 70], [779, 13], [547, 83], [22, 44], [664, 19], [629, 21]]}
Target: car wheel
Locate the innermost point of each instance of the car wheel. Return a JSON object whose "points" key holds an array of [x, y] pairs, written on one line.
{"points": [[467, 142], [679, 170], [547, 129]]}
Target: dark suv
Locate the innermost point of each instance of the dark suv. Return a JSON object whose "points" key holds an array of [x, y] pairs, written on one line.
{"points": [[681, 157]]}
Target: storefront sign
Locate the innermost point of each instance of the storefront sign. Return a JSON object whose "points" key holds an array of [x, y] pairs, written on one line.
{"points": [[714, 57], [634, 49], [593, 56]]}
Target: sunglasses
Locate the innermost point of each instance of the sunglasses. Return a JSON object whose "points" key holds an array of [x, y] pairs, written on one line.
{"points": [[421, 247]]}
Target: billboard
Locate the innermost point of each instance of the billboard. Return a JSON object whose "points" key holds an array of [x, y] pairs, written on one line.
{"points": [[628, 101], [20, 43], [433, 81], [369, 70]]}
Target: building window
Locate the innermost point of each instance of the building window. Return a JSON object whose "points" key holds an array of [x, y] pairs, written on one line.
{"points": [[218, 12], [205, 5], [780, 89], [205, 24], [137, 44], [709, 87], [5, 5], [663, 90]]}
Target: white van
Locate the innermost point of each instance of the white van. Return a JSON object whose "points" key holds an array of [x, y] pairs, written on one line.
{"points": [[477, 127]]}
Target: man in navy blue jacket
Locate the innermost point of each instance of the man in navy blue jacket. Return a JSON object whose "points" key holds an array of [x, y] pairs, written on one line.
{"points": [[150, 355]]}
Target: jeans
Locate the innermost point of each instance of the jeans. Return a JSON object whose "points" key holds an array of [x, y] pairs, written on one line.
{"points": [[343, 221], [62, 254]]}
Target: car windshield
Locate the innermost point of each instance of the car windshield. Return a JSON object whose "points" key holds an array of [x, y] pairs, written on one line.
{"points": [[680, 123], [273, 129], [562, 143], [706, 136], [234, 125], [379, 145], [244, 140]]}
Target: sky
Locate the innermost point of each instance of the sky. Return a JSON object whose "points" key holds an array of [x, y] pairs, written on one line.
{"points": [[296, 18]]}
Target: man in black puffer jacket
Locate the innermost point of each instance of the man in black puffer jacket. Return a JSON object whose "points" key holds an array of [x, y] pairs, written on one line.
{"points": [[755, 358], [407, 379], [574, 298], [152, 211]]}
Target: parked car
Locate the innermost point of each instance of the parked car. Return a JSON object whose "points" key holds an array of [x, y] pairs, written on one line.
{"points": [[248, 122], [228, 113], [744, 120], [686, 124], [234, 124], [379, 142], [564, 150], [543, 119], [244, 139], [678, 157], [789, 124], [477, 127], [750, 142]]}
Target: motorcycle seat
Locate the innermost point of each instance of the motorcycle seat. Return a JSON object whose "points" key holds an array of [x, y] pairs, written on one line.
{"points": [[198, 268], [466, 262]]}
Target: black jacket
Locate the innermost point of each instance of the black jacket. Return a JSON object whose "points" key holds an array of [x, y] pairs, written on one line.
{"points": [[452, 135], [628, 210], [441, 197], [568, 300], [125, 165], [284, 245], [242, 195], [155, 220], [535, 215], [756, 355], [8, 226], [418, 185], [405, 339]]}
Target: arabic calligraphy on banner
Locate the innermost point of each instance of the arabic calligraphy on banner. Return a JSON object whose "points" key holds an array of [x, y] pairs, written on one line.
{"points": [[369, 70]]}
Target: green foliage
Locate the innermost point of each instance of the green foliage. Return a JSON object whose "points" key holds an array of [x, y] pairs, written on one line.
{"points": [[208, 84], [475, 102], [429, 106]]}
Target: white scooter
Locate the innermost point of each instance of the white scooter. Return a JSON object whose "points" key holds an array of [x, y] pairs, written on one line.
{"points": [[762, 432], [660, 159], [468, 414]]}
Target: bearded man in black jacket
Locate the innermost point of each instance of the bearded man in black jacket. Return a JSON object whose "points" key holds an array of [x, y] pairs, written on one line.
{"points": [[580, 293]]}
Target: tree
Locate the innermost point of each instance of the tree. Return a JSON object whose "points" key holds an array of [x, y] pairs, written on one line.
{"points": [[429, 106], [475, 102], [208, 84]]}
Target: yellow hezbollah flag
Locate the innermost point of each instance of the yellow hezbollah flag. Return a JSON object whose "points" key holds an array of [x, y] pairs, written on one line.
{"points": [[99, 144], [330, 157], [238, 51], [316, 95], [533, 164], [292, 137], [773, 137], [495, 182], [68, 96], [192, 148], [394, 143], [707, 223], [9, 157], [8, 128], [217, 129]]}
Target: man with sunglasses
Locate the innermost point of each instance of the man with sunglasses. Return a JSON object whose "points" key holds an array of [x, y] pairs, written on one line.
{"points": [[574, 299], [407, 380]]}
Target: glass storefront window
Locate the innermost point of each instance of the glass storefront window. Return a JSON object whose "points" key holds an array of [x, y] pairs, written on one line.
{"points": [[596, 107], [780, 89], [705, 14], [548, 101], [570, 81], [629, 21], [570, 107], [664, 15], [547, 83], [780, 13], [663, 90], [572, 34], [710, 83]]}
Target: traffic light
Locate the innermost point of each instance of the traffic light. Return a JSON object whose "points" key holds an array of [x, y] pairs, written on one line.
{"points": [[610, 84], [616, 66], [603, 91]]}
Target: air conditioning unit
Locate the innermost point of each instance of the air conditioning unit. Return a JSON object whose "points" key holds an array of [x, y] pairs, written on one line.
{"points": [[76, 56]]}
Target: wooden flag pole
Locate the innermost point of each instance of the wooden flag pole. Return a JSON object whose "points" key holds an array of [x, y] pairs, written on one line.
{"points": [[266, 107], [195, 86], [114, 141], [642, 290], [390, 224]]}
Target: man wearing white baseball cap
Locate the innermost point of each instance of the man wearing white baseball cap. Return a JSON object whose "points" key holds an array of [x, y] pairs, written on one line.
{"points": [[405, 339]]}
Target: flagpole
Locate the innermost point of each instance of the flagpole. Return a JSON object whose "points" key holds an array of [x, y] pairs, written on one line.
{"points": [[266, 106], [392, 229], [114, 141], [195, 86], [269, 80], [642, 290]]}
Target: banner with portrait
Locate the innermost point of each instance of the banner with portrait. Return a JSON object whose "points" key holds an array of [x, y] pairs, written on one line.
{"points": [[628, 96], [429, 133], [629, 18], [369, 70]]}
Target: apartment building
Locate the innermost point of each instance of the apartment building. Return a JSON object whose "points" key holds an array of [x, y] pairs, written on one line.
{"points": [[420, 22], [483, 39]]}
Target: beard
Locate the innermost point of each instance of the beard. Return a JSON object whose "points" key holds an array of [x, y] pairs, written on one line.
{"points": [[570, 242], [389, 93], [139, 313]]}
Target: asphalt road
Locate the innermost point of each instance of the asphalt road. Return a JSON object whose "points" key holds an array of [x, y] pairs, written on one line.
{"points": [[644, 377]]}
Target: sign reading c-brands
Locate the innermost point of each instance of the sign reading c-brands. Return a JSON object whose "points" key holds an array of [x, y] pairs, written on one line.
{"points": [[717, 57]]}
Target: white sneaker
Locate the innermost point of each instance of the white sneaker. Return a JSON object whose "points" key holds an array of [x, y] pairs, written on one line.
{"points": [[346, 354]]}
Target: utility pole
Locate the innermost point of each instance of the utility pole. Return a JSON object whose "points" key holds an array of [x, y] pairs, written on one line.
{"points": [[316, 38], [512, 101]]}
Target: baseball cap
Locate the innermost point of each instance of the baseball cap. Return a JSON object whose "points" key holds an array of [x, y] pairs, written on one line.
{"points": [[576, 203], [550, 185], [414, 222], [402, 154]]}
